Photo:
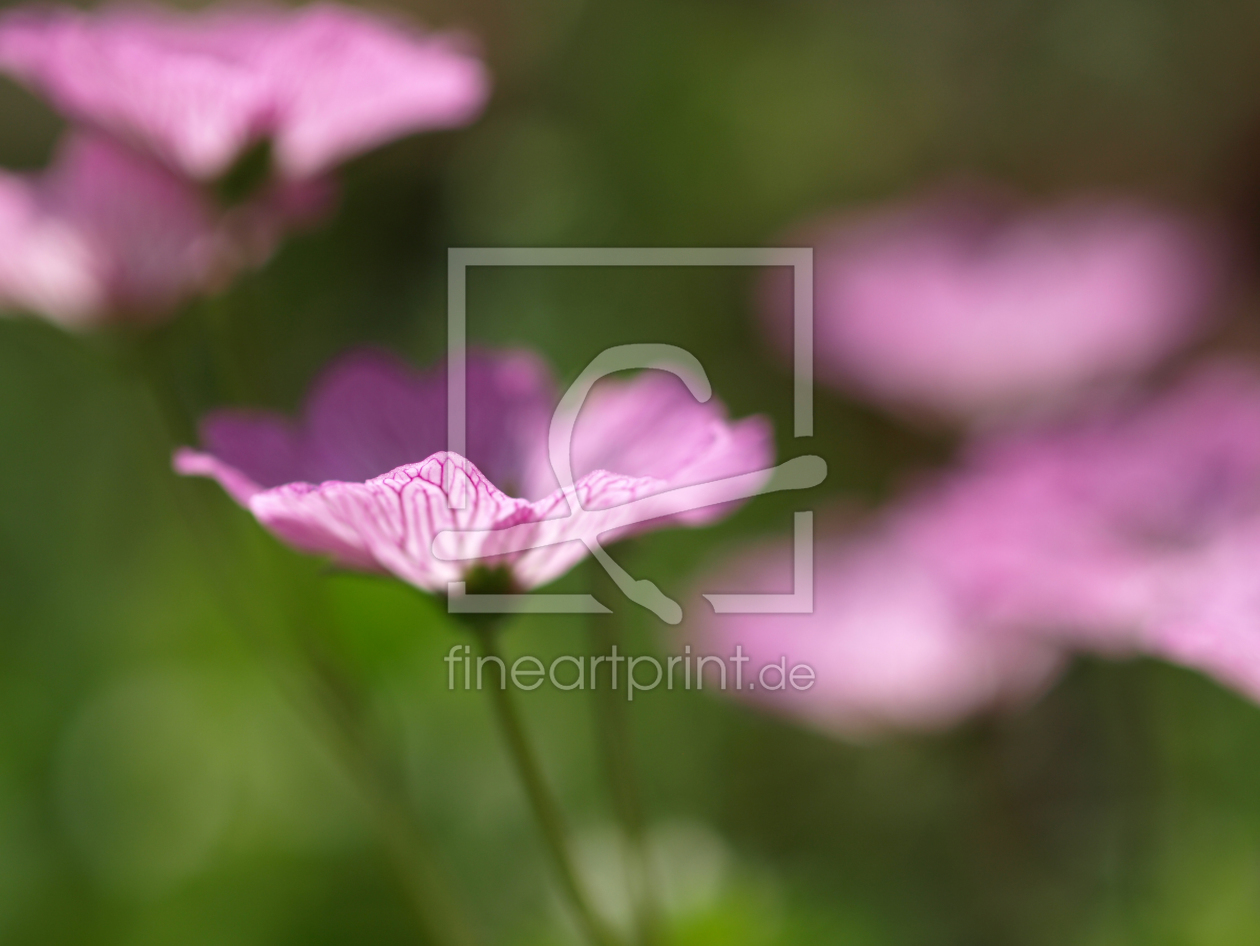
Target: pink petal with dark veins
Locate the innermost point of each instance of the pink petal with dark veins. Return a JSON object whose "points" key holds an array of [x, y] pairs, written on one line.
{"points": [[364, 476]]}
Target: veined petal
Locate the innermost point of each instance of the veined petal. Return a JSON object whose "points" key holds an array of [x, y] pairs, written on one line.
{"points": [[316, 483], [652, 427], [323, 82], [348, 82], [142, 75], [556, 530], [388, 523]]}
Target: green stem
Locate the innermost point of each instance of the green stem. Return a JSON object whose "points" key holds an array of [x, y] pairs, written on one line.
{"points": [[613, 722], [546, 809]]}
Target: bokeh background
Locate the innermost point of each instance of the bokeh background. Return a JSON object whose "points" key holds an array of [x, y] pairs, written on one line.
{"points": [[157, 786]]}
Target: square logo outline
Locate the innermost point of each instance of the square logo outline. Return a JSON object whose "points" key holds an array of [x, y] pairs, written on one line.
{"points": [[801, 262]]}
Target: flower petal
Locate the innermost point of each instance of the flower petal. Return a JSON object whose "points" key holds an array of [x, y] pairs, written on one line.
{"points": [[324, 82], [46, 264], [370, 413], [316, 484], [144, 75], [105, 232], [388, 523], [154, 233], [1070, 527], [889, 645], [348, 82], [960, 308], [652, 427]]}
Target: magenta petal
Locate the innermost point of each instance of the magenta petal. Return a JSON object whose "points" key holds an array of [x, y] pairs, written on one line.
{"points": [[370, 413], [155, 234], [46, 264], [389, 523], [324, 82], [364, 477], [889, 645], [236, 484], [1134, 531], [557, 531], [348, 82], [1208, 614], [142, 75], [960, 308], [651, 426], [104, 232]]}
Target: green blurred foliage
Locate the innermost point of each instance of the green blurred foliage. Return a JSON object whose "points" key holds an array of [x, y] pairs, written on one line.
{"points": [[158, 786]]}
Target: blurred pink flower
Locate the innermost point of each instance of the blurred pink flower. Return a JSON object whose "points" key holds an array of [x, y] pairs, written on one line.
{"points": [[890, 645], [1208, 614], [1133, 530], [364, 477], [112, 232], [321, 83], [959, 308], [1136, 530], [103, 233]]}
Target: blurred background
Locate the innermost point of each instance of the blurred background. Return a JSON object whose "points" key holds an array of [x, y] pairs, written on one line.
{"points": [[156, 786]]}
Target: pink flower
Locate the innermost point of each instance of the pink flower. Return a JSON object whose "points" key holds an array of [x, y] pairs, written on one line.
{"points": [[109, 232], [889, 644], [103, 233], [1208, 614], [321, 83], [364, 478], [958, 309], [1132, 530], [1135, 530]]}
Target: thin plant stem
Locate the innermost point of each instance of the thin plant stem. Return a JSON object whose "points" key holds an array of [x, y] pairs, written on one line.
{"points": [[546, 809], [613, 723], [613, 728]]}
